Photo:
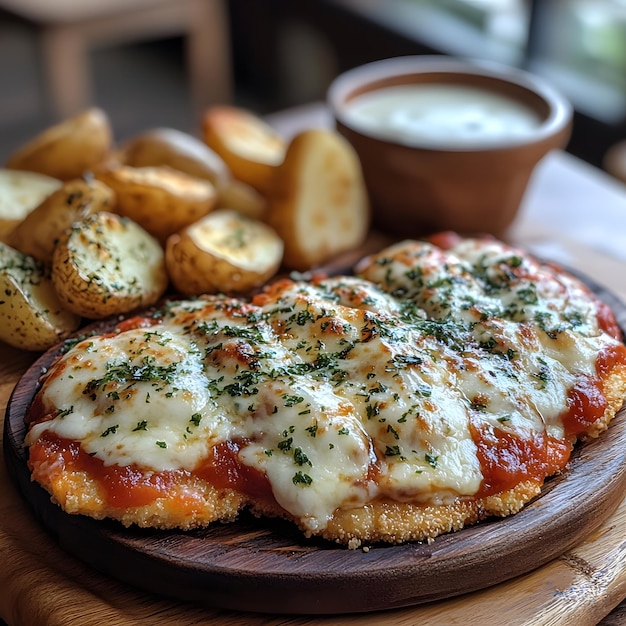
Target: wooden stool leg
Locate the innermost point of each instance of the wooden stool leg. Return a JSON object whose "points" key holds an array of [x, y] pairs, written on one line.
{"points": [[209, 54], [65, 70]]}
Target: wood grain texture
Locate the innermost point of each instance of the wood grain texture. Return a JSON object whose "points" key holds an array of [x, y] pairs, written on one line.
{"points": [[280, 573], [285, 573], [41, 584]]}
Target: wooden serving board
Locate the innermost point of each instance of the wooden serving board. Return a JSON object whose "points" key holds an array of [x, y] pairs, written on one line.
{"points": [[281, 572]]}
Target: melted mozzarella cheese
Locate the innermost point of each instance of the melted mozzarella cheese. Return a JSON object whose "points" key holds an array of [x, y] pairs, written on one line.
{"points": [[314, 450], [139, 397], [345, 390]]}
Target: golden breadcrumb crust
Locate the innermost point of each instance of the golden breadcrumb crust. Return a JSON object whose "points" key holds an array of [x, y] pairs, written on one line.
{"points": [[398, 522], [614, 390], [193, 502]]}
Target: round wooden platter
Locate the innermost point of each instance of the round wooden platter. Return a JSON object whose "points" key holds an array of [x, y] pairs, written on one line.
{"points": [[268, 566]]}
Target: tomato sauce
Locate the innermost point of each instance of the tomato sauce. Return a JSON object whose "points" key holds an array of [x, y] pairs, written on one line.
{"points": [[607, 321], [610, 357], [506, 459], [271, 292], [36, 411], [138, 321], [122, 487], [130, 486], [586, 402], [224, 470], [445, 239]]}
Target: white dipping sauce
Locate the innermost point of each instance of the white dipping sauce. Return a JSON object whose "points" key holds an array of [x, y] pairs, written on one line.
{"points": [[442, 115]]}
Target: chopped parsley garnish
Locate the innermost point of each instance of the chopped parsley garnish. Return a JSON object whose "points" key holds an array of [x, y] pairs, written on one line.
{"points": [[128, 373], [63, 412], [392, 451], [285, 444], [393, 431], [299, 478], [292, 400], [432, 460], [372, 410], [300, 458]]}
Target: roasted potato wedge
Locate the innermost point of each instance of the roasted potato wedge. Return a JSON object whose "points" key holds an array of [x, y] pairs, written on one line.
{"points": [[160, 199], [243, 198], [38, 233], [20, 193], [68, 149], [31, 314], [224, 252], [178, 150], [106, 265], [319, 204], [186, 153], [249, 146]]}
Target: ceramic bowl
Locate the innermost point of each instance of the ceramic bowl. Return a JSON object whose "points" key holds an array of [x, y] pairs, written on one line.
{"points": [[434, 168]]}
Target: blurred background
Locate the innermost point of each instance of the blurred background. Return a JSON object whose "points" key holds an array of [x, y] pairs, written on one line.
{"points": [[161, 62]]}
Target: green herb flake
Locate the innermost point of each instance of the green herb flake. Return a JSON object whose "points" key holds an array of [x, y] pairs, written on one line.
{"points": [[300, 478], [432, 460], [292, 400], [300, 458], [285, 444], [392, 451]]}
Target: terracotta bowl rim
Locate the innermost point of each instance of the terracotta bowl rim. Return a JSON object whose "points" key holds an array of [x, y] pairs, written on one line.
{"points": [[557, 121]]}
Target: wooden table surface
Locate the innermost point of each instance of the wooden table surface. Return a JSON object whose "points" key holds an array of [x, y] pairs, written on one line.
{"points": [[572, 213]]}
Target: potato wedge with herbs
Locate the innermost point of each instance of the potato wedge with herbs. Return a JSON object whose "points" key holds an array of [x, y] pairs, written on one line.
{"points": [[106, 265], [160, 199], [20, 193], [68, 149], [178, 150], [38, 233], [319, 204], [224, 252], [31, 314], [251, 148]]}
